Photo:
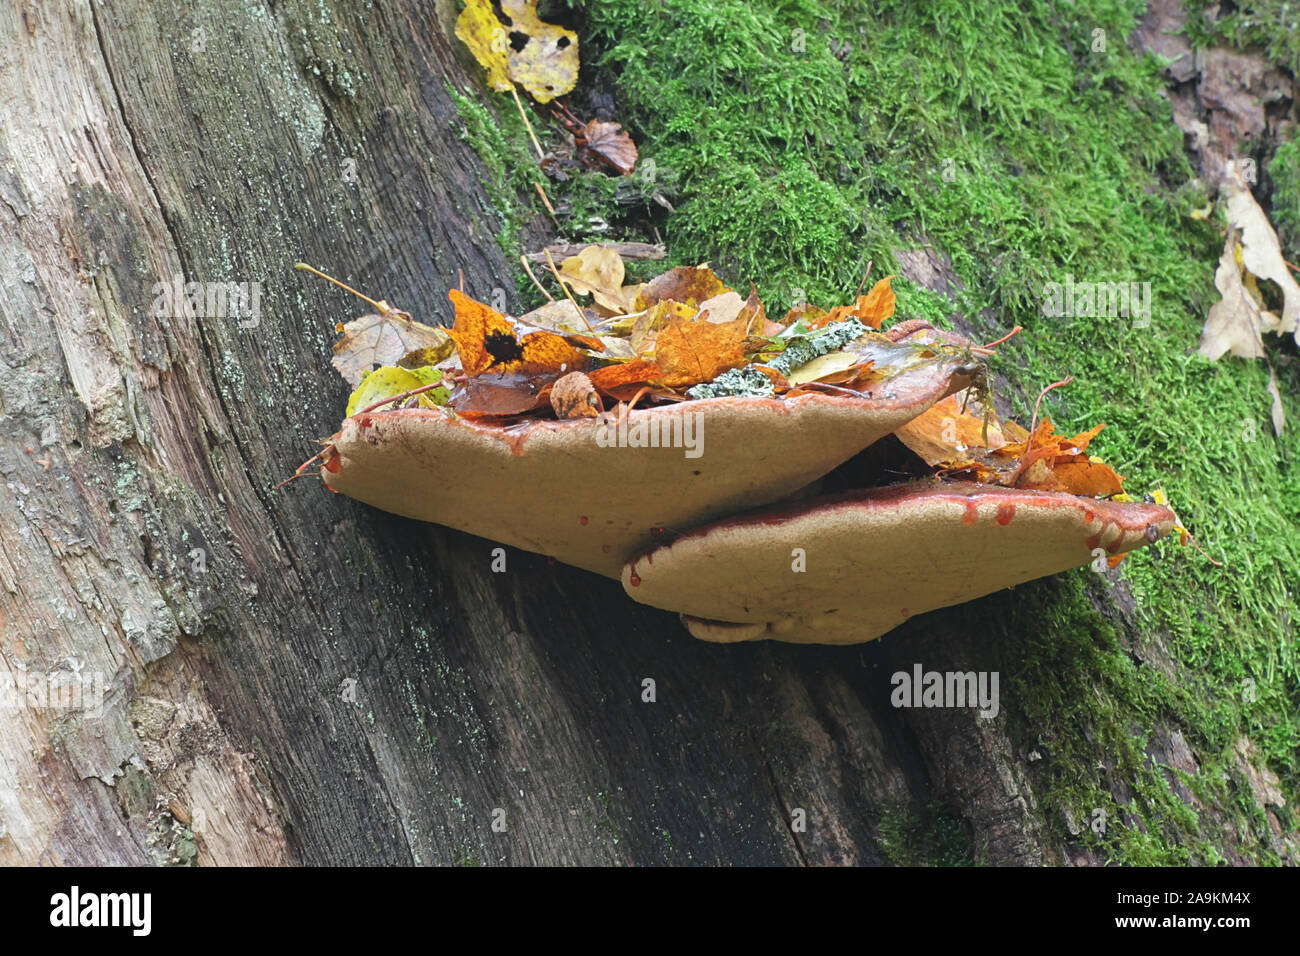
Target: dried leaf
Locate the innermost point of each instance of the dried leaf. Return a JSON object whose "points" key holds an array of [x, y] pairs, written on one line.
{"points": [[573, 396], [383, 339], [1235, 322], [540, 57], [611, 143], [1261, 255], [690, 285], [599, 271], [488, 342]]}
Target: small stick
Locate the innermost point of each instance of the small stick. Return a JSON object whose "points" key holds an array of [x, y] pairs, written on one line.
{"points": [[1069, 379], [994, 344], [303, 267], [546, 201], [529, 270], [864, 279], [400, 398], [1033, 427], [529, 126], [556, 272]]}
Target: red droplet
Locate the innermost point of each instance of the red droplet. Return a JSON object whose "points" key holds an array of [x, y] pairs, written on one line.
{"points": [[906, 613], [634, 579], [972, 513], [604, 548], [582, 519], [1093, 542], [1006, 511]]}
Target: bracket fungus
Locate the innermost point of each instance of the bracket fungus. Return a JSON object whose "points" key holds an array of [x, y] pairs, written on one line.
{"points": [[594, 492], [868, 560], [708, 501]]}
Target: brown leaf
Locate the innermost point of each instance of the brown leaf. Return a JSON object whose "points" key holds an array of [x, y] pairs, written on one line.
{"points": [[687, 284], [699, 351], [611, 143], [573, 396]]}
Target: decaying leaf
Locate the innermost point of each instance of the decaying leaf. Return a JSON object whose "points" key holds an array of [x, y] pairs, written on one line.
{"points": [[540, 57], [390, 381], [689, 285], [488, 342], [385, 338], [609, 143], [599, 270], [1236, 322], [1261, 255], [573, 396]]}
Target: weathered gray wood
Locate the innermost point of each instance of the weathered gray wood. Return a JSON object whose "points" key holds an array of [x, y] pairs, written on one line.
{"points": [[140, 537]]}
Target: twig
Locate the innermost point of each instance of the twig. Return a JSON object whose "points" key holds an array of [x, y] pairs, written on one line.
{"points": [[529, 270], [546, 201], [994, 344], [527, 125], [863, 283], [556, 272], [303, 267], [1033, 425], [400, 398]]}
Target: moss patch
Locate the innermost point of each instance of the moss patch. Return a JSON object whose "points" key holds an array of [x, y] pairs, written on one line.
{"points": [[1028, 143]]}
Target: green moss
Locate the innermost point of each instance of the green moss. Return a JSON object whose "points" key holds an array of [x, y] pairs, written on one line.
{"points": [[1009, 139], [1284, 171], [928, 835], [1003, 138]]}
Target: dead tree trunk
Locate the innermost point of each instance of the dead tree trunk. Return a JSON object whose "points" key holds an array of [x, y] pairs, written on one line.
{"points": [[245, 676]]}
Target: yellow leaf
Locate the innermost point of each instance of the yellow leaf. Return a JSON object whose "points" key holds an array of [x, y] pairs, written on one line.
{"points": [[540, 57]]}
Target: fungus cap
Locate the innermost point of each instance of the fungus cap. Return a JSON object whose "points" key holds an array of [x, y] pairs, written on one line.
{"points": [[559, 488], [872, 559]]}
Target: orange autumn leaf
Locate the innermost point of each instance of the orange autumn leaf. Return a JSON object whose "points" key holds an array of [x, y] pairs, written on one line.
{"points": [[690, 352], [878, 304], [488, 342], [635, 372], [871, 309], [945, 436], [690, 285]]}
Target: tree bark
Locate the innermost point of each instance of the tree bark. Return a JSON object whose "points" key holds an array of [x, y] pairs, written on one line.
{"points": [[292, 677]]}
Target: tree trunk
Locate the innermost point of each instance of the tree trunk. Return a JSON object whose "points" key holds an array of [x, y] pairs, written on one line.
{"points": [[252, 676]]}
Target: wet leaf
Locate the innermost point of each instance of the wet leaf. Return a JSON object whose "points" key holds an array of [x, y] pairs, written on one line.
{"points": [[540, 57], [390, 381], [488, 342], [609, 143]]}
